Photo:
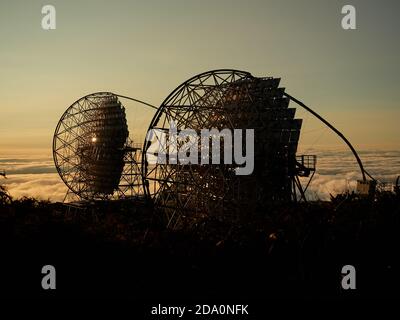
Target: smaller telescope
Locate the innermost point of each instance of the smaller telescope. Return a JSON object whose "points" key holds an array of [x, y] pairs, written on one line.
{"points": [[91, 148]]}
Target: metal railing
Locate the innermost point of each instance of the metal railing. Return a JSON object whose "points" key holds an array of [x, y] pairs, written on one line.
{"points": [[307, 161]]}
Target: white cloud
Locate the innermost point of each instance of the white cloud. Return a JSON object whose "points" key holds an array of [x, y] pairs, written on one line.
{"points": [[26, 165], [337, 171], [44, 186]]}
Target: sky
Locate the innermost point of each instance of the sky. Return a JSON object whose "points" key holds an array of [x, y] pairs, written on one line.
{"points": [[145, 49]]}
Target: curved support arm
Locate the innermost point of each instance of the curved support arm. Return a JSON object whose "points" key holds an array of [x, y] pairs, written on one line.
{"points": [[136, 100], [363, 172]]}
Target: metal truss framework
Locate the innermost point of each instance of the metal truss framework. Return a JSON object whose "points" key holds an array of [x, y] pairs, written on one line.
{"points": [[96, 159], [93, 153], [226, 99]]}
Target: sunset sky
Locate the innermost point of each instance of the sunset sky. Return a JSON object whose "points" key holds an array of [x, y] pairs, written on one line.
{"points": [[144, 49]]}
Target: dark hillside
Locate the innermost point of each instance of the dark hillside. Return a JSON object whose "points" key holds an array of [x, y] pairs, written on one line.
{"points": [[120, 250]]}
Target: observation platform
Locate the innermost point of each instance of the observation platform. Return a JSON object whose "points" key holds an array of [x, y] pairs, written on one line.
{"points": [[305, 165]]}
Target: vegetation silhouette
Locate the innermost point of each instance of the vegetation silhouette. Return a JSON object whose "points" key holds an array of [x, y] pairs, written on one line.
{"points": [[123, 249]]}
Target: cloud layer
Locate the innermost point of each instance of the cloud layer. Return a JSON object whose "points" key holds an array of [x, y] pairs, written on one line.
{"points": [[337, 171], [39, 185], [32, 175]]}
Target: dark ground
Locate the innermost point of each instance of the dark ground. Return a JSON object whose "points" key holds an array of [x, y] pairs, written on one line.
{"points": [[121, 251]]}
